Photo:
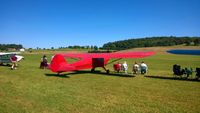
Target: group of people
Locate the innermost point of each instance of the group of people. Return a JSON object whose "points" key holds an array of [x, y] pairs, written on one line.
{"points": [[177, 70], [136, 68], [43, 62], [143, 68], [118, 67]]}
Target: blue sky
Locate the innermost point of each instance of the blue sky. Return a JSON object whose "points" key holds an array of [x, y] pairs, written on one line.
{"points": [[56, 23]]}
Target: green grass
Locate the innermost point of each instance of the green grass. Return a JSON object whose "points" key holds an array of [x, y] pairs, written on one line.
{"points": [[32, 90]]}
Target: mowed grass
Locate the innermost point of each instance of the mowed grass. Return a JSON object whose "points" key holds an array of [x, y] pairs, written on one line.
{"points": [[32, 90]]}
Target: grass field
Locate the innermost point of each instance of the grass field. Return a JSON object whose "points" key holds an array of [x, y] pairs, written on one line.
{"points": [[32, 90]]}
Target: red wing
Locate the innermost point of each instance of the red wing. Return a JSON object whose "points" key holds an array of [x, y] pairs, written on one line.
{"points": [[109, 55], [75, 55], [131, 54]]}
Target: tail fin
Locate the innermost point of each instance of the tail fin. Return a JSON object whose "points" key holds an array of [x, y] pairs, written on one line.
{"points": [[57, 62]]}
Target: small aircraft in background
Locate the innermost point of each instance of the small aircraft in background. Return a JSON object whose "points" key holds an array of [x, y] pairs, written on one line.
{"points": [[5, 57], [90, 60]]}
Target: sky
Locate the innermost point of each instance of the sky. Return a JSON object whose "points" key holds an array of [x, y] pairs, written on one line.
{"points": [[62, 23]]}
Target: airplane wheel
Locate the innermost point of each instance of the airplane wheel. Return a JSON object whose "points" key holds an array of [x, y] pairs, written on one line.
{"points": [[108, 71], [92, 70]]}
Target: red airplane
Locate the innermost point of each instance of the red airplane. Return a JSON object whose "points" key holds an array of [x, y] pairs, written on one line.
{"points": [[90, 60]]}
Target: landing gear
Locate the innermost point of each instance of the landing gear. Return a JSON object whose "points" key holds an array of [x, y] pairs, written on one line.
{"points": [[59, 73], [107, 70], [92, 70]]}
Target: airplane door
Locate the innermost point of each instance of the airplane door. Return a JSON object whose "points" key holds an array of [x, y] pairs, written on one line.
{"points": [[97, 62]]}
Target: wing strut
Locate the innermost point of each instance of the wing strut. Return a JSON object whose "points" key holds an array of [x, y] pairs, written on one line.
{"points": [[114, 61]]}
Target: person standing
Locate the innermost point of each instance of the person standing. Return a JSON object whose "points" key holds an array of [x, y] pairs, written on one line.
{"points": [[13, 59]]}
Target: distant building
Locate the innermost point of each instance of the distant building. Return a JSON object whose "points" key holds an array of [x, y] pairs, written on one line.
{"points": [[22, 50], [11, 49]]}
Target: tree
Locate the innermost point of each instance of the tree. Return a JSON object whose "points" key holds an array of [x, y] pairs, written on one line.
{"points": [[10, 46], [87, 47], [92, 47], [197, 42], [151, 42], [95, 48], [30, 50]]}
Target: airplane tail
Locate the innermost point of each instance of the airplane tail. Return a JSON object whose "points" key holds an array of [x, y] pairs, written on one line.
{"points": [[57, 62]]}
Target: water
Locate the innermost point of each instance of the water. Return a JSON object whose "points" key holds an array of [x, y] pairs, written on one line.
{"points": [[185, 52]]}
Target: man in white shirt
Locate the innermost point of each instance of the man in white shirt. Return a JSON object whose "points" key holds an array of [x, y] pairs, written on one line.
{"points": [[125, 67], [143, 68]]}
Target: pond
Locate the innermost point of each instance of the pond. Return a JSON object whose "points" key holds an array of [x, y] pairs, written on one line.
{"points": [[185, 52]]}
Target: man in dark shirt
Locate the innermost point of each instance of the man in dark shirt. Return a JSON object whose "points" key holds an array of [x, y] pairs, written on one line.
{"points": [[13, 59], [44, 62]]}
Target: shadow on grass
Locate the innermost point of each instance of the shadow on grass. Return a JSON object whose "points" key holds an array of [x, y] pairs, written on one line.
{"points": [[112, 74], [56, 75], [173, 78], [65, 75]]}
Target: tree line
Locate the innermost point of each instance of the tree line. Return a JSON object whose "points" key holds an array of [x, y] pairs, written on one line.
{"points": [[81, 47], [6, 47], [124, 44], [151, 42]]}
